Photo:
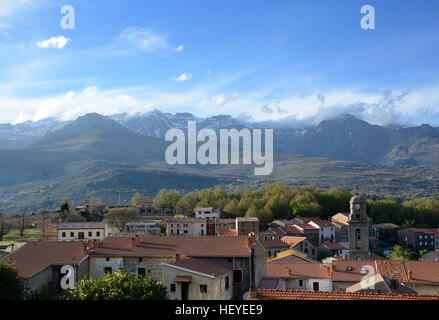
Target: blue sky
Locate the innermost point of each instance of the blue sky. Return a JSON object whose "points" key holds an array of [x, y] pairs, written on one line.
{"points": [[251, 59]]}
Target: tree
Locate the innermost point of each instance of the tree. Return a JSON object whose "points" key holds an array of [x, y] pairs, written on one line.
{"points": [[136, 199], [11, 288], [119, 217], [65, 205], [422, 252], [188, 203], [399, 253], [44, 222], [5, 227], [167, 200], [118, 286]]}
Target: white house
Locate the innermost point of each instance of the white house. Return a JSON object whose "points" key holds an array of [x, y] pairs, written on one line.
{"points": [[81, 230], [206, 212]]}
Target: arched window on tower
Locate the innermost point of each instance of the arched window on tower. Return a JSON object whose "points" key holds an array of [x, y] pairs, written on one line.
{"points": [[357, 238]]}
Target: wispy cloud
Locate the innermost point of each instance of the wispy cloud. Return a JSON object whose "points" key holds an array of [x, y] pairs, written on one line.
{"points": [[183, 77], [9, 7], [58, 42], [143, 39], [179, 48]]}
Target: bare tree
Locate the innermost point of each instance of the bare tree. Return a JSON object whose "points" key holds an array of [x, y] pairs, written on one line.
{"points": [[44, 222]]}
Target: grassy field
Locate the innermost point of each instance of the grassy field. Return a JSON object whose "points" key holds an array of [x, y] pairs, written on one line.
{"points": [[31, 234]]}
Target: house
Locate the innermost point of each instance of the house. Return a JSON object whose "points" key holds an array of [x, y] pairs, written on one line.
{"points": [[195, 279], [326, 228], [303, 244], [226, 223], [143, 228], [274, 246], [246, 225], [419, 238], [307, 230], [273, 294], [380, 283], [69, 231], [207, 212], [144, 255], [336, 248], [146, 207], [40, 262], [186, 227], [420, 276], [299, 276], [292, 255]]}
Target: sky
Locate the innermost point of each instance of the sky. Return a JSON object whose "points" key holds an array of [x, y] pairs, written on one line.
{"points": [[296, 60]]}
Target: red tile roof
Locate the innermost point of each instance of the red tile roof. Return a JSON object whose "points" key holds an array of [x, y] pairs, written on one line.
{"points": [[424, 230], [334, 246], [266, 294], [201, 266], [293, 241], [227, 232], [274, 243], [34, 257], [204, 246]]}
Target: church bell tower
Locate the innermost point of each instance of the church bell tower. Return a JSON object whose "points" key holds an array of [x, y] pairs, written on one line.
{"points": [[358, 230]]}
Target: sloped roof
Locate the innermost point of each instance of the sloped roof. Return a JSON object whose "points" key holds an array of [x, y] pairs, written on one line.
{"points": [[293, 241], [266, 294], [227, 232], [297, 270], [34, 257], [203, 246], [81, 225], [292, 255], [200, 266], [274, 243]]}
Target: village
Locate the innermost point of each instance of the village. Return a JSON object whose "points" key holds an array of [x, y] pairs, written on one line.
{"points": [[209, 257]]}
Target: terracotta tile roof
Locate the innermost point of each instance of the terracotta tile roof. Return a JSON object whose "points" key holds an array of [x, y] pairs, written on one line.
{"points": [[297, 270], [424, 230], [201, 266], [252, 219], [334, 246], [227, 232], [183, 279], [34, 257], [294, 230], [81, 225], [293, 241], [274, 243], [266, 294], [204, 246], [279, 230], [226, 221]]}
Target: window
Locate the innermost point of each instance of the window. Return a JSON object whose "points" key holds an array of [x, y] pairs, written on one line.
{"points": [[172, 287], [63, 234], [313, 251], [315, 286], [72, 234], [108, 270], [90, 234], [301, 283], [203, 288], [141, 272], [237, 276], [185, 231], [358, 234], [172, 231], [140, 259], [107, 259], [98, 233], [227, 283]]}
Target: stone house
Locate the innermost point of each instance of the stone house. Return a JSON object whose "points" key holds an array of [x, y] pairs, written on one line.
{"points": [[195, 279], [419, 238], [69, 231]]}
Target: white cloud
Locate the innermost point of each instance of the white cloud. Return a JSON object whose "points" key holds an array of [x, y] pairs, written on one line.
{"points": [[144, 40], [179, 48], [209, 72], [183, 77], [58, 42]]}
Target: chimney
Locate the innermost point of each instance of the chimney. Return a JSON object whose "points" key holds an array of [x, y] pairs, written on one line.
{"points": [[251, 239], [410, 275]]}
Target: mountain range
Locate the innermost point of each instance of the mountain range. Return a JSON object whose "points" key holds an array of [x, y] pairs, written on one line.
{"points": [[100, 156]]}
